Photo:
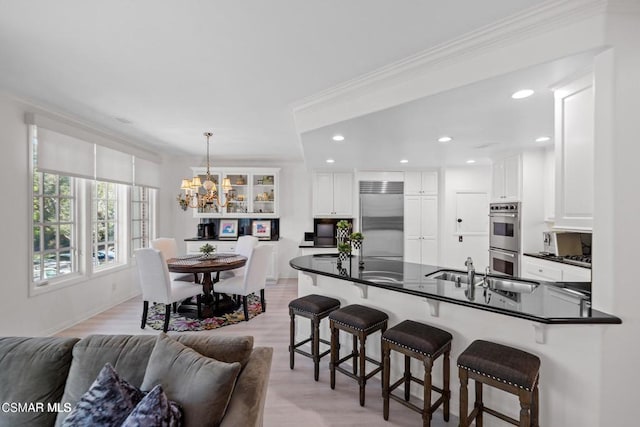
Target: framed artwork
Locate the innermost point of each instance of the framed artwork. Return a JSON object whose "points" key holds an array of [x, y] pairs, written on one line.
{"points": [[228, 229], [261, 229]]}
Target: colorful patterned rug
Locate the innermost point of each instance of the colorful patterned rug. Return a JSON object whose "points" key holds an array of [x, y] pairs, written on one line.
{"points": [[180, 323]]}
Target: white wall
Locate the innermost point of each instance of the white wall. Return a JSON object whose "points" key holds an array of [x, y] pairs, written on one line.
{"points": [[453, 253], [294, 205], [48, 312]]}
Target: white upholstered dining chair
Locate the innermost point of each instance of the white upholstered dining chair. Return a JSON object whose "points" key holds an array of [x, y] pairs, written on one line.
{"points": [[254, 279], [244, 247], [169, 249], [157, 285]]}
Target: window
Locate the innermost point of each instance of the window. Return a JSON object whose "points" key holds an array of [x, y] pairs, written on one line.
{"points": [[54, 226], [142, 217], [105, 225]]}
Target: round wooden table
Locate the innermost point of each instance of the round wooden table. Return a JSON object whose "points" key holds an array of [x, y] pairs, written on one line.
{"points": [[215, 264]]}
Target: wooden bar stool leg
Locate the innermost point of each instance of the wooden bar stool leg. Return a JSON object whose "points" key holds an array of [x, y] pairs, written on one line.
{"points": [[354, 353], [446, 386], [292, 333], [525, 408], [478, 404], [362, 380], [464, 398], [535, 407], [335, 345], [426, 411], [315, 341], [407, 378], [386, 378]]}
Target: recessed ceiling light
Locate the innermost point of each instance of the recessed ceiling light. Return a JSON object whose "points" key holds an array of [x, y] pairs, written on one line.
{"points": [[543, 139], [524, 93], [471, 161], [330, 161], [338, 138], [404, 161], [445, 139]]}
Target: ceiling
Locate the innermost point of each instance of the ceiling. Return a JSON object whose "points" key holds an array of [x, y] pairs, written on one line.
{"points": [[482, 118], [163, 72]]}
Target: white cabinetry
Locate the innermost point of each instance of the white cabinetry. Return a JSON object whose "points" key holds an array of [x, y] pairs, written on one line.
{"points": [[333, 194], [420, 183], [574, 147], [540, 269], [421, 229], [507, 179], [193, 248], [253, 193]]}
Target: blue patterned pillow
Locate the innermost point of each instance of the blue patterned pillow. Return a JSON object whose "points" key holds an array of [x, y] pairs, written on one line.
{"points": [[108, 401], [155, 410]]}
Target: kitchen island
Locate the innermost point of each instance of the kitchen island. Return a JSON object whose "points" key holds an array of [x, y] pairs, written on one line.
{"points": [[551, 320]]}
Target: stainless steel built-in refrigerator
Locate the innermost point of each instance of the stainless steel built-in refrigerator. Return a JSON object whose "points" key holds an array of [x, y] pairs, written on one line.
{"points": [[382, 218]]}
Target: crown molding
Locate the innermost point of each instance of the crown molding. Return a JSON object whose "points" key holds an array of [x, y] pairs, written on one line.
{"points": [[548, 16]]}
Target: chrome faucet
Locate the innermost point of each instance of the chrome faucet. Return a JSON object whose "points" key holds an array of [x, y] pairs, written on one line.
{"points": [[471, 278]]}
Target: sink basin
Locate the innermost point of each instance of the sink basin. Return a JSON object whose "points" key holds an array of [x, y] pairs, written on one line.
{"points": [[390, 277], [453, 276], [516, 286]]}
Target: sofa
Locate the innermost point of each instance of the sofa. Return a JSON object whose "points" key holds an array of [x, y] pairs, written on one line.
{"points": [[42, 378]]}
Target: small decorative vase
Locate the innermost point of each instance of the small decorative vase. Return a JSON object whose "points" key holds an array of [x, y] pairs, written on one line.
{"points": [[342, 235], [343, 256]]}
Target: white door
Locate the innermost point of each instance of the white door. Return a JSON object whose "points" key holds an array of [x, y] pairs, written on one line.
{"points": [[472, 213], [323, 193], [413, 250], [343, 194]]}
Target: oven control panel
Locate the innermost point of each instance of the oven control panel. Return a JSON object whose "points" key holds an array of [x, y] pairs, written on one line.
{"points": [[504, 207]]}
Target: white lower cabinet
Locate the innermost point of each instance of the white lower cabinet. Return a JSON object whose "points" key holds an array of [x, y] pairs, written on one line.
{"points": [[421, 229], [193, 248], [540, 269]]}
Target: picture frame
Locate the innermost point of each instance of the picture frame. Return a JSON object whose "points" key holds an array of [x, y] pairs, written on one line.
{"points": [[228, 229], [261, 229]]}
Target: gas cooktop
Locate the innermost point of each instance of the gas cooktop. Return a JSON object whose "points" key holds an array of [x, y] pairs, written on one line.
{"points": [[578, 260]]}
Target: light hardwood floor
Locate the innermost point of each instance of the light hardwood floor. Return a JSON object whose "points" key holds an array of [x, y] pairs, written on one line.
{"points": [[294, 398]]}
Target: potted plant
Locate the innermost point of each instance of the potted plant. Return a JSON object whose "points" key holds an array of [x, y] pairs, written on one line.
{"points": [[342, 231], [344, 251], [207, 250]]}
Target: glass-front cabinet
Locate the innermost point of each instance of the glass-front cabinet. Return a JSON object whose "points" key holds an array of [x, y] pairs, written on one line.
{"points": [[243, 192]]}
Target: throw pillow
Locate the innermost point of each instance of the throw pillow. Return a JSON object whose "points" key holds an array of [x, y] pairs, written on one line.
{"points": [[202, 386], [108, 401], [155, 410]]}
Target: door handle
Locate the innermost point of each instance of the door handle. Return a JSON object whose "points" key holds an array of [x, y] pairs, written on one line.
{"points": [[459, 220]]}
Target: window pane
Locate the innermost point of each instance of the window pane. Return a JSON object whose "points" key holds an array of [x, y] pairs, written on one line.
{"points": [[36, 209], [50, 184], [49, 210], [50, 266], [50, 237], [65, 236], [135, 211], [36, 183], [111, 211], [111, 234], [66, 263], [65, 210], [65, 185], [36, 239], [101, 210], [102, 232], [36, 267], [136, 229]]}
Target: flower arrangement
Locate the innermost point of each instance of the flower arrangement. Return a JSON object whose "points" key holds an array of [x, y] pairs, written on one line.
{"points": [[343, 224]]}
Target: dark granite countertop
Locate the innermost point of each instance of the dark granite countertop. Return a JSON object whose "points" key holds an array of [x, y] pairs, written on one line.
{"points": [[544, 302]]}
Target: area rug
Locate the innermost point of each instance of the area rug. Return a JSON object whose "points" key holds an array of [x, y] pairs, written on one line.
{"points": [[180, 323]]}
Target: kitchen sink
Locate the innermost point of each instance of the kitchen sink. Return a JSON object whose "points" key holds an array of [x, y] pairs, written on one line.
{"points": [[389, 277], [516, 286], [457, 277]]}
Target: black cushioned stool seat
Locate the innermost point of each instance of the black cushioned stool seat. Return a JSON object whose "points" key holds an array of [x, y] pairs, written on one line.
{"points": [[316, 308], [425, 343], [507, 368], [359, 321]]}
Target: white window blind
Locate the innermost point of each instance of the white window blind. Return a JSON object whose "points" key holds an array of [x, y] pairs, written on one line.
{"points": [[64, 155], [113, 165], [147, 173]]}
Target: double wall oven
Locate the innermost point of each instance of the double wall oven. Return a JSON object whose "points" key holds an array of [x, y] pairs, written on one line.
{"points": [[504, 238]]}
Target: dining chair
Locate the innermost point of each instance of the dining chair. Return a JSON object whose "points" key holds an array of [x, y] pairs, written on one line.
{"points": [[157, 285], [169, 248], [244, 247], [253, 280]]}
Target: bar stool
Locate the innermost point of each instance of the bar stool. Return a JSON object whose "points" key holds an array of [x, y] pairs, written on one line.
{"points": [[316, 308], [425, 343], [359, 321], [509, 369]]}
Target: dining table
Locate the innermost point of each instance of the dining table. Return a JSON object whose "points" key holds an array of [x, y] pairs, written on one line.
{"points": [[209, 268]]}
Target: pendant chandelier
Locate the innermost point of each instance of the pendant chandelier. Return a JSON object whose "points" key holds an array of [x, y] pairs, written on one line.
{"points": [[198, 194]]}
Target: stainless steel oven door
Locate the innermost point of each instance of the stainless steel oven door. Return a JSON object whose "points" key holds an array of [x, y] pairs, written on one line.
{"points": [[504, 262], [504, 231]]}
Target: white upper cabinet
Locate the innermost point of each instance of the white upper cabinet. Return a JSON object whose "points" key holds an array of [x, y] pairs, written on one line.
{"points": [[574, 139], [333, 194], [507, 179], [420, 183], [253, 193], [421, 229]]}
